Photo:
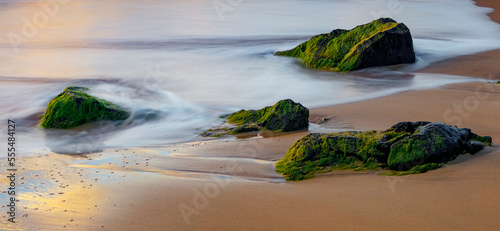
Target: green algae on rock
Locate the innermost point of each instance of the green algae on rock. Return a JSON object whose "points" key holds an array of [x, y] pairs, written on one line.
{"points": [[415, 170], [406, 148], [379, 43], [73, 107], [317, 152], [285, 116]]}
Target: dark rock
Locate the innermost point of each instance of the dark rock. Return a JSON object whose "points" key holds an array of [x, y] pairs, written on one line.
{"points": [[379, 43], [474, 147], [483, 139], [316, 151], [391, 47], [285, 116], [73, 107], [409, 147], [432, 143], [407, 126]]}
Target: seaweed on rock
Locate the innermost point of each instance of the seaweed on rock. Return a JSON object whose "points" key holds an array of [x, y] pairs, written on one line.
{"points": [[73, 107], [378, 43], [284, 116], [407, 148]]}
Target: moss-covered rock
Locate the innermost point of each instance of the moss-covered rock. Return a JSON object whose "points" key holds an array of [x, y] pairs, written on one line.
{"points": [[285, 116], [316, 152], [244, 128], [379, 43], [434, 143], [415, 170], [406, 147], [73, 107]]}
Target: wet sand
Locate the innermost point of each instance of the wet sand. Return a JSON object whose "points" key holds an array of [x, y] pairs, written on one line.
{"points": [[231, 184]]}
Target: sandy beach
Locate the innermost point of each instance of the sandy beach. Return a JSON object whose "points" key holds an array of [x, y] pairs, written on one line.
{"points": [[231, 184]]}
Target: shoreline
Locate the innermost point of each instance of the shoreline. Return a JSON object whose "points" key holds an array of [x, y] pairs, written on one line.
{"points": [[480, 65], [231, 185], [495, 15]]}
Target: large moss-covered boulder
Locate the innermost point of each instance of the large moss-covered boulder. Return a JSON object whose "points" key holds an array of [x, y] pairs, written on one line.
{"points": [[74, 107], [406, 148], [379, 43], [285, 116]]}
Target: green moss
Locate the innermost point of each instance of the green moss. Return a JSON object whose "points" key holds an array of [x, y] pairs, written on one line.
{"points": [[412, 149], [407, 147], [249, 116], [339, 151], [337, 50], [368, 145], [243, 129], [73, 107], [285, 116], [415, 170], [371, 165], [393, 136], [483, 139], [405, 151]]}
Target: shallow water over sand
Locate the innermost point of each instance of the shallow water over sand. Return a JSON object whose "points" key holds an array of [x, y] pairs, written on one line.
{"points": [[188, 63]]}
